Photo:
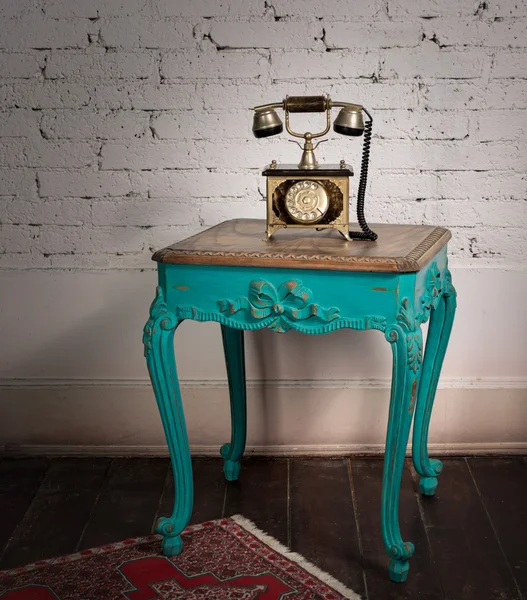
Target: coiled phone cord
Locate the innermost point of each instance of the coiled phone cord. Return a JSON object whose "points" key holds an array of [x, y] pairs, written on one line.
{"points": [[366, 233]]}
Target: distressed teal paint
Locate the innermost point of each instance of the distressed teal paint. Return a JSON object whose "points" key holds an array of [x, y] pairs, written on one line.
{"points": [[432, 294], [424, 283], [313, 302], [441, 320], [205, 287], [158, 340], [290, 303], [405, 337]]}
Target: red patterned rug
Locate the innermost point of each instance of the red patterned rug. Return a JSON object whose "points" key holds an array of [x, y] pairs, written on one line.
{"points": [[228, 559]]}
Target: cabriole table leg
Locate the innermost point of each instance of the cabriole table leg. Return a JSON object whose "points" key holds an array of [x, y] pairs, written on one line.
{"points": [[441, 320], [235, 361], [406, 341], [158, 341]]}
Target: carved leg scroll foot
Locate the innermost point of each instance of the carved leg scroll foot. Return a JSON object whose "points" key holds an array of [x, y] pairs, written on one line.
{"points": [[235, 360], [406, 342], [399, 569], [428, 485], [231, 468], [172, 543], [441, 320], [158, 340]]}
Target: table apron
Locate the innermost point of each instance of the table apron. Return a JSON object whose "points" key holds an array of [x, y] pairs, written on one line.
{"points": [[309, 301]]}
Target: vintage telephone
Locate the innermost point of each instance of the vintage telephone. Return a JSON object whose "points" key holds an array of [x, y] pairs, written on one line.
{"points": [[309, 194]]}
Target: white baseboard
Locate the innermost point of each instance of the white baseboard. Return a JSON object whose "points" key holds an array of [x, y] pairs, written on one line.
{"points": [[505, 449], [492, 383], [317, 417]]}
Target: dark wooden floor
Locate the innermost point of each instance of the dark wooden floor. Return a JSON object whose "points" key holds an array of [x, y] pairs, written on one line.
{"points": [[470, 540]]}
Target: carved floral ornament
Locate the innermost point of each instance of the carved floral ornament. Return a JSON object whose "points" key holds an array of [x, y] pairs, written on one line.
{"points": [[436, 286], [283, 306], [432, 294], [414, 343], [161, 317]]}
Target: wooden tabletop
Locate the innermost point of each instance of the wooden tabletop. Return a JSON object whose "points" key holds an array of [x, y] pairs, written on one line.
{"points": [[243, 243]]}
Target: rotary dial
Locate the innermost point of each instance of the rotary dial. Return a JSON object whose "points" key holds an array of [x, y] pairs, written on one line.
{"points": [[307, 201]]}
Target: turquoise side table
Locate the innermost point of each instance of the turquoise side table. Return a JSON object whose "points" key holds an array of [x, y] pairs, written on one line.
{"points": [[315, 283]]}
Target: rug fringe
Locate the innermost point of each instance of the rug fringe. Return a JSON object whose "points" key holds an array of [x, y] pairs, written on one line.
{"points": [[295, 557]]}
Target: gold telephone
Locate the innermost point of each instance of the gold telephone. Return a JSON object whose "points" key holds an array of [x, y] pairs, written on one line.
{"points": [[309, 194]]}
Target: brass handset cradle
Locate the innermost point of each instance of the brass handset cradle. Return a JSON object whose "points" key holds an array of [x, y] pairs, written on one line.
{"points": [[308, 160], [310, 195]]}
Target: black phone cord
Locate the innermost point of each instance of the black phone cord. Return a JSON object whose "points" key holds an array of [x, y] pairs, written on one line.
{"points": [[366, 233]]}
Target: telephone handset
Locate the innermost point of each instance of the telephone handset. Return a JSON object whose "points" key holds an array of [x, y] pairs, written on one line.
{"points": [[309, 194]]}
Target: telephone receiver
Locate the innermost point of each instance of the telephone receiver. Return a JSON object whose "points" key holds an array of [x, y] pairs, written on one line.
{"points": [[349, 122]]}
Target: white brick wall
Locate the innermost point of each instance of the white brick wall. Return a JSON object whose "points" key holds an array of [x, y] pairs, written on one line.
{"points": [[125, 124]]}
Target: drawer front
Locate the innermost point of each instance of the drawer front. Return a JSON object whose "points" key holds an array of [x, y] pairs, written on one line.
{"points": [[282, 299]]}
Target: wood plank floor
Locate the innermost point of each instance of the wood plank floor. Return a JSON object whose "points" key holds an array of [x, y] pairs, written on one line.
{"points": [[469, 538]]}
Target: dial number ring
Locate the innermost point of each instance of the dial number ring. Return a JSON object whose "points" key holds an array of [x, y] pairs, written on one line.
{"points": [[307, 201]]}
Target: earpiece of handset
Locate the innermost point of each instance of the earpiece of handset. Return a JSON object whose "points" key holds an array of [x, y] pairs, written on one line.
{"points": [[349, 121], [266, 123]]}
